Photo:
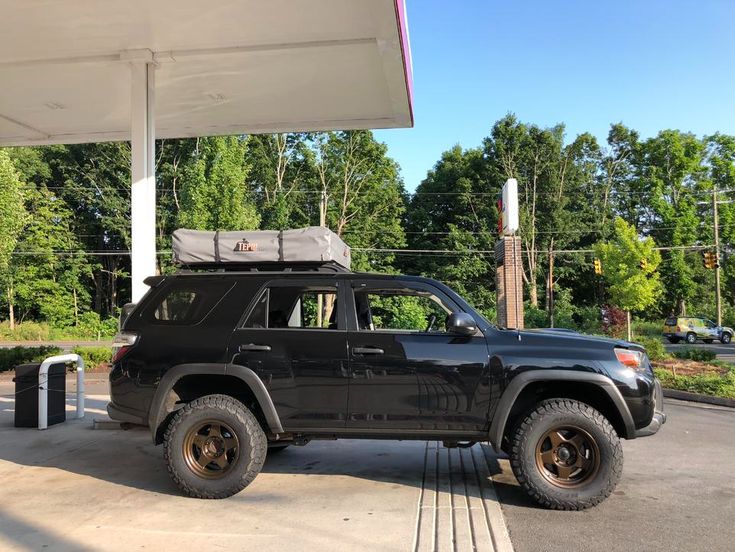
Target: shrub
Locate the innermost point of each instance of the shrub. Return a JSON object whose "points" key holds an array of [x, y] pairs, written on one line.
{"points": [[717, 385], [702, 355], [588, 320], [10, 358], [94, 357], [654, 347], [534, 317], [614, 321], [25, 331]]}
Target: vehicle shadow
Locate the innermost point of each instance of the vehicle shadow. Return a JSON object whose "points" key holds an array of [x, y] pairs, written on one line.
{"points": [[130, 459]]}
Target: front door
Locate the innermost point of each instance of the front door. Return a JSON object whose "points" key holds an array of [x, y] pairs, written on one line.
{"points": [[294, 338], [408, 372]]}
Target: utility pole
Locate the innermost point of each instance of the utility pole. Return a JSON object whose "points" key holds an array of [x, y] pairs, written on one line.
{"points": [[322, 223], [717, 255]]}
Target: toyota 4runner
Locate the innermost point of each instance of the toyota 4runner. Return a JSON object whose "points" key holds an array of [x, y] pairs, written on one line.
{"points": [[226, 367]]}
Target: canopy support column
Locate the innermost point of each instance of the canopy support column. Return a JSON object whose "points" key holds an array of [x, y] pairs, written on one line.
{"points": [[143, 171]]}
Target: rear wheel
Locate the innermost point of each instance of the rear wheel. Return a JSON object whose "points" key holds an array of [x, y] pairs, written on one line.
{"points": [[726, 338], [691, 338], [566, 455], [214, 447]]}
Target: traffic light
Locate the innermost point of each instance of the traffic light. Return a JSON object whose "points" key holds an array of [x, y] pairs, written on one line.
{"points": [[643, 264], [598, 267], [710, 260]]}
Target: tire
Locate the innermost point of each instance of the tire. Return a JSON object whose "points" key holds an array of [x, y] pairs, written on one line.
{"points": [[725, 338], [673, 340], [691, 338], [222, 430], [545, 483]]}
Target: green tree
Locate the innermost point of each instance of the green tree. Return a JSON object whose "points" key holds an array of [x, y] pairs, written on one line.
{"points": [[214, 191], [629, 266], [13, 216]]}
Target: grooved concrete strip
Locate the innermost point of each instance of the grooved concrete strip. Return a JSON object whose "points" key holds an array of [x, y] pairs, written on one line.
{"points": [[458, 508]]}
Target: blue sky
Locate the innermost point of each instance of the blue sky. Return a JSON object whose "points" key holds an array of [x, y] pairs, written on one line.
{"points": [[652, 64]]}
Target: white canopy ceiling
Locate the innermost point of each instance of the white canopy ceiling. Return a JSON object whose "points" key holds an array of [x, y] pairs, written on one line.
{"points": [[223, 67]]}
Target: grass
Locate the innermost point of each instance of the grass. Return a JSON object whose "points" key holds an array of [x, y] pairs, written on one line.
{"points": [[714, 383]]}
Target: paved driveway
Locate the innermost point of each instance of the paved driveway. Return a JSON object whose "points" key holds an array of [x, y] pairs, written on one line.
{"points": [[71, 488]]}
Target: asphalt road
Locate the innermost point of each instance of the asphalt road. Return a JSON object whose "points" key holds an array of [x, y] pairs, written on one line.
{"points": [[677, 493]]}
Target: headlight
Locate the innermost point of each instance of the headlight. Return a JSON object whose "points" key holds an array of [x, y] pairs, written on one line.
{"points": [[630, 358]]}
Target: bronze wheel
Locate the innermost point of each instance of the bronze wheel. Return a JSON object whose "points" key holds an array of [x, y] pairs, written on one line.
{"points": [[214, 447], [567, 457], [210, 449]]}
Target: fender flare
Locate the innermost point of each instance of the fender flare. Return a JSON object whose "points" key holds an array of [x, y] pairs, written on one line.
{"points": [[158, 412], [519, 383]]}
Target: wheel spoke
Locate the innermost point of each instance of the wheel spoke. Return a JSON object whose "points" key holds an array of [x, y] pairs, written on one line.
{"points": [[547, 457], [556, 438], [203, 460], [221, 461], [578, 441], [215, 430], [230, 443], [199, 441], [565, 471], [582, 462]]}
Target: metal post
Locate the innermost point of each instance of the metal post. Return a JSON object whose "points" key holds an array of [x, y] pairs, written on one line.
{"points": [[43, 386], [143, 171], [718, 296]]}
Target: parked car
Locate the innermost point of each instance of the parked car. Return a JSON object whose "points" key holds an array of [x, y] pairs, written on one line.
{"points": [[226, 367], [689, 329]]}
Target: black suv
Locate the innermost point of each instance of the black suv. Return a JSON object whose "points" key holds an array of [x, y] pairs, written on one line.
{"points": [[226, 367]]}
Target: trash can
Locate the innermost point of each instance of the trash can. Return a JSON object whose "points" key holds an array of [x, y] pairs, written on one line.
{"points": [[26, 394]]}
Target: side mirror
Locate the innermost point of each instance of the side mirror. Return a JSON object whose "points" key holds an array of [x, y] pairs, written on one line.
{"points": [[461, 323]]}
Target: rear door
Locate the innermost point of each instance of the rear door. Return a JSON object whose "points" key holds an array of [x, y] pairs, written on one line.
{"points": [[408, 372], [294, 337]]}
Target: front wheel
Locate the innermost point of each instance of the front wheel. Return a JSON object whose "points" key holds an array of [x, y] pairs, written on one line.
{"points": [[726, 338], [214, 447], [566, 455], [691, 338]]}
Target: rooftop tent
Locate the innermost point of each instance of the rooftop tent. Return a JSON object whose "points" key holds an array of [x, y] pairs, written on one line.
{"points": [[89, 71]]}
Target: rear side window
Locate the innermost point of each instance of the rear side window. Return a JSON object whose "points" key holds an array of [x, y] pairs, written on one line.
{"points": [[670, 322], [189, 303], [295, 307]]}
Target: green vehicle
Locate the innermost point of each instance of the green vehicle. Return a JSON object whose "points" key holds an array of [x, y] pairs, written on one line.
{"points": [[690, 329]]}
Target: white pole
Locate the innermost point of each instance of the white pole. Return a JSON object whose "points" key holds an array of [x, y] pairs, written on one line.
{"points": [[43, 386], [143, 171]]}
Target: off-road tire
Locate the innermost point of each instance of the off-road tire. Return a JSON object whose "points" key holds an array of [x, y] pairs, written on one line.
{"points": [[559, 413], [251, 450], [691, 338], [725, 339]]}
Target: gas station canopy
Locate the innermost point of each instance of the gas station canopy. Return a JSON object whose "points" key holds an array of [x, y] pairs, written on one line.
{"points": [[222, 67]]}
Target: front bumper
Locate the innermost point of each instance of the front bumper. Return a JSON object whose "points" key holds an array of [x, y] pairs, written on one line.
{"points": [[659, 416]]}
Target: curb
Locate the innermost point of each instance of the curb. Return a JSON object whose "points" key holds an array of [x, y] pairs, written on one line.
{"points": [[698, 397]]}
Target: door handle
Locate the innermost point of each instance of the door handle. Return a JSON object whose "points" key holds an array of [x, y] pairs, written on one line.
{"points": [[367, 351], [253, 347]]}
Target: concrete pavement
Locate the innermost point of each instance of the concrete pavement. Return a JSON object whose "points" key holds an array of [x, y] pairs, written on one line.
{"points": [[74, 489]]}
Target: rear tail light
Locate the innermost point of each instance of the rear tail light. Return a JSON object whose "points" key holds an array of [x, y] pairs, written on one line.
{"points": [[630, 358], [122, 343], [678, 329]]}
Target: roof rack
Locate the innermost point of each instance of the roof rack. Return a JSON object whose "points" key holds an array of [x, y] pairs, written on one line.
{"points": [[276, 266]]}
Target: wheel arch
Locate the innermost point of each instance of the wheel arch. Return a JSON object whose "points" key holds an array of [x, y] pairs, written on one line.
{"points": [[185, 382], [527, 388]]}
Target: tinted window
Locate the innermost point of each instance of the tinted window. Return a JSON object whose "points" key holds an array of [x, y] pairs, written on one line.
{"points": [[400, 309], [189, 303], [670, 322], [295, 307]]}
